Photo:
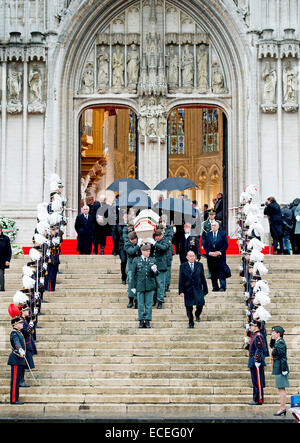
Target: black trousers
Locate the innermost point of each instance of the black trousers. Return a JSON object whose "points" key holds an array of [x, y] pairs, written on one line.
{"points": [[51, 277], [258, 383], [189, 312], [2, 271], [16, 375]]}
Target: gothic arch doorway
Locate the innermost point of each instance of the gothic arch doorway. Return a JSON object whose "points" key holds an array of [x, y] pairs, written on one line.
{"points": [[108, 150], [197, 149]]}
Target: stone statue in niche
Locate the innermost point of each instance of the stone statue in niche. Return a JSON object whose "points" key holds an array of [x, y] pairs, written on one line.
{"points": [[118, 69], [87, 80], [269, 92], [187, 69], [14, 86], [289, 83], [172, 65], [35, 91], [217, 81], [133, 66], [202, 61], [153, 119], [103, 70]]}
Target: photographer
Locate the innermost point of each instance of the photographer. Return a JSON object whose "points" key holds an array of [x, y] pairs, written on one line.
{"points": [[5, 256], [273, 211]]}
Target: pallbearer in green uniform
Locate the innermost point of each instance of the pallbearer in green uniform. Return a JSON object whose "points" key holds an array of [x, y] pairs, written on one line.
{"points": [[168, 234], [132, 249], [144, 275], [206, 226], [159, 252]]}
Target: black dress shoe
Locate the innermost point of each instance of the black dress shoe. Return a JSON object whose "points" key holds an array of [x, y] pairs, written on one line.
{"points": [[222, 290], [123, 282], [191, 326], [147, 324], [154, 302], [130, 304], [159, 306], [215, 290], [198, 319], [18, 402], [283, 412], [254, 403], [23, 385], [142, 324], [135, 305]]}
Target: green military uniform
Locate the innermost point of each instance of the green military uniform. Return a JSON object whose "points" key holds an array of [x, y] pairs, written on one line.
{"points": [[160, 253], [145, 285], [206, 226], [132, 252]]}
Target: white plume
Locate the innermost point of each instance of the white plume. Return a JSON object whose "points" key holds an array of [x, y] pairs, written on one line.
{"points": [[260, 268], [261, 285], [28, 282], [262, 298], [251, 189], [42, 213], [256, 255], [27, 271], [20, 298], [245, 197], [39, 239], [254, 243], [54, 218], [262, 314], [54, 178], [257, 228], [34, 254]]}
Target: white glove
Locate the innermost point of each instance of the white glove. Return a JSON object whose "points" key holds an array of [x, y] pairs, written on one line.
{"points": [[257, 365], [284, 372], [36, 296], [133, 290], [140, 241], [21, 352], [150, 240], [31, 324], [298, 218], [45, 266], [35, 311], [154, 268]]}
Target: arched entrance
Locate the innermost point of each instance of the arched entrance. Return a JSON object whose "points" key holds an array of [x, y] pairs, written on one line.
{"points": [[108, 148], [197, 149]]}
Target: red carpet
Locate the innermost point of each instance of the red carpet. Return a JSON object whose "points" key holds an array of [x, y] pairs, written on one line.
{"points": [[68, 247]]}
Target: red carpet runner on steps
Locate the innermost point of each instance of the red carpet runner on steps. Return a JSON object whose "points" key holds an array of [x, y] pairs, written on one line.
{"points": [[68, 247]]}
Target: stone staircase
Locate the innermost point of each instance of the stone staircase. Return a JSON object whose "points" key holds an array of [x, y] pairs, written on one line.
{"points": [[94, 361]]}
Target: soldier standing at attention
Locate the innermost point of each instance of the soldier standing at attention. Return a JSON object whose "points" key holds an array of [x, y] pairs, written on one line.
{"points": [[144, 275], [132, 249], [159, 251], [256, 363], [16, 359]]}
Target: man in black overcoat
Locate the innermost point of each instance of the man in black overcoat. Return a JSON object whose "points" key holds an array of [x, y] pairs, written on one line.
{"points": [[5, 256], [215, 244], [273, 211], [192, 286], [84, 227]]}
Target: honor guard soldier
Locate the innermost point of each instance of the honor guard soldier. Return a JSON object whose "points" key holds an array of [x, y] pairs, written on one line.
{"points": [[144, 275], [256, 363], [206, 226], [168, 234], [159, 251], [16, 358], [53, 260], [132, 249]]}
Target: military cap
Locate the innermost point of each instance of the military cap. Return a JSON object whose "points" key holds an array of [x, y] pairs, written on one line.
{"points": [[278, 329], [146, 247], [211, 212]]}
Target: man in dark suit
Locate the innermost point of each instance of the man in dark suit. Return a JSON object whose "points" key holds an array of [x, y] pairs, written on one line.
{"points": [[84, 227], [219, 207], [188, 242], [192, 286], [5, 256], [102, 226], [215, 244]]}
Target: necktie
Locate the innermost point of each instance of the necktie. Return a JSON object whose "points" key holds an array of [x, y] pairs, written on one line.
{"points": [[192, 267]]}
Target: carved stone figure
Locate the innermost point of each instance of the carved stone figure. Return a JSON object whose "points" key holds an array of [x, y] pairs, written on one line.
{"points": [[172, 65], [187, 67], [202, 60], [270, 79], [35, 91], [118, 68], [153, 119], [289, 83], [217, 80], [14, 86], [103, 70], [133, 65], [87, 80]]}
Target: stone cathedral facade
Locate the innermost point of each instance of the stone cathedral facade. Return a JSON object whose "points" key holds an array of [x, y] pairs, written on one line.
{"points": [[201, 88]]}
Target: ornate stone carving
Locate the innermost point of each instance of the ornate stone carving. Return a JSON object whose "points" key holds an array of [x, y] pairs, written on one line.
{"points": [[217, 81], [103, 70], [133, 67], [87, 79], [153, 118], [202, 63], [118, 69], [14, 89], [36, 104], [269, 92], [289, 79]]}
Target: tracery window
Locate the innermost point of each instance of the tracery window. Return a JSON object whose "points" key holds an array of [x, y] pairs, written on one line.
{"points": [[132, 131], [210, 130], [176, 132]]}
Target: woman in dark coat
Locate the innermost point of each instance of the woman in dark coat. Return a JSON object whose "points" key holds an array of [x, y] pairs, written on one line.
{"points": [[273, 211], [192, 286], [280, 365]]}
